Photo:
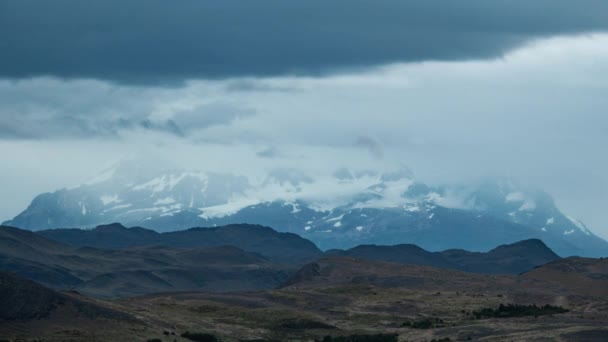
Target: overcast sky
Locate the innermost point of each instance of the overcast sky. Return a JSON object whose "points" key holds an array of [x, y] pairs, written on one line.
{"points": [[454, 90]]}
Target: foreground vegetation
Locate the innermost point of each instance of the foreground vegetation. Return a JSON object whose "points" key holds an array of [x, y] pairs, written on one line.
{"points": [[362, 338], [200, 337], [515, 310]]}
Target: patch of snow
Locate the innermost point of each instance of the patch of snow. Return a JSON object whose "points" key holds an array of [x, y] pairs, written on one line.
{"points": [[171, 208], [433, 197], [411, 208], [528, 205], [106, 199], [226, 209], [166, 200], [338, 224], [322, 194], [360, 228], [102, 177], [568, 232], [550, 221], [339, 218], [579, 225], [363, 215], [307, 228], [121, 206], [451, 200], [431, 216], [543, 229], [295, 207], [515, 197], [328, 215], [168, 182], [144, 210], [155, 185], [519, 197]]}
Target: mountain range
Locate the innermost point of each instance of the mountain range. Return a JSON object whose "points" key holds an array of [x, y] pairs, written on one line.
{"points": [[209, 259], [113, 260], [514, 258], [348, 209]]}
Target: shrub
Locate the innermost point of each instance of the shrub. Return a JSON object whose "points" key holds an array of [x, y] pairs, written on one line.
{"points": [[362, 338], [515, 310], [199, 337], [303, 324], [425, 323]]}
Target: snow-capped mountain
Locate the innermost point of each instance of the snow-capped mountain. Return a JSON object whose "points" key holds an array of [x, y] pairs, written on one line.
{"points": [[341, 211], [129, 193]]}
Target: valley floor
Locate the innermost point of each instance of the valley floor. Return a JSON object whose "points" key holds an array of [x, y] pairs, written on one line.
{"points": [[299, 314]]}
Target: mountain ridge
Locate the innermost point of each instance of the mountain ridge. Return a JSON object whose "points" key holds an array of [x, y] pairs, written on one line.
{"points": [[256, 238], [217, 265], [512, 258], [505, 259], [230, 258], [350, 209]]}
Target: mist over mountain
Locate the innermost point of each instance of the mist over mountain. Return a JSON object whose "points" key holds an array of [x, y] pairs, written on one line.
{"points": [[348, 208]]}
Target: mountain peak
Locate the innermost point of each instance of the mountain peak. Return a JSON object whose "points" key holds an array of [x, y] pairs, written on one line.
{"points": [[112, 227], [532, 248]]}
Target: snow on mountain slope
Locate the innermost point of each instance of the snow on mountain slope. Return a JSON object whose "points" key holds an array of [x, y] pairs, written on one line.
{"points": [[126, 194], [340, 211]]}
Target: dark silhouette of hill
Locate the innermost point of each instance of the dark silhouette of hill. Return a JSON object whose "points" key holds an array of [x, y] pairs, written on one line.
{"points": [[24, 300], [140, 270], [280, 247], [115, 261], [513, 258], [507, 259], [403, 253]]}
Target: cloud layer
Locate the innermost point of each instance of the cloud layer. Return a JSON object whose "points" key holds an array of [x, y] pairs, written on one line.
{"points": [[155, 41], [538, 114]]}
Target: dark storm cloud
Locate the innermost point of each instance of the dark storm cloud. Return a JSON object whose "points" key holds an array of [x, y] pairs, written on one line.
{"points": [[145, 41]]}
